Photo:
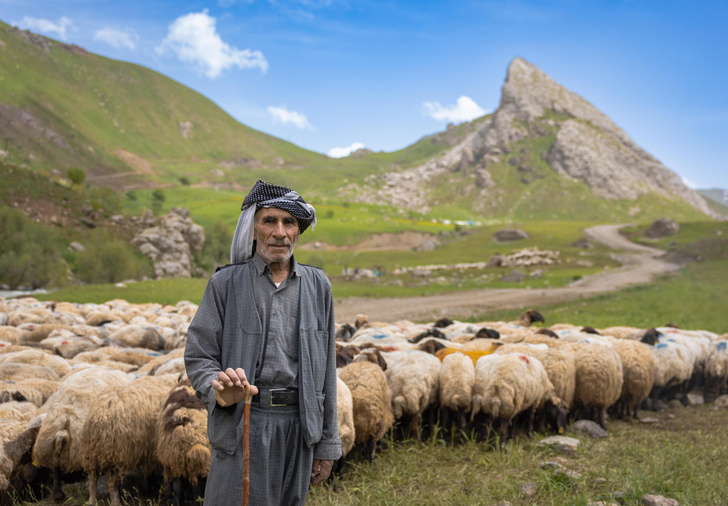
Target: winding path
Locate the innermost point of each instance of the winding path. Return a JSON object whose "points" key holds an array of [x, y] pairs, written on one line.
{"points": [[640, 264]]}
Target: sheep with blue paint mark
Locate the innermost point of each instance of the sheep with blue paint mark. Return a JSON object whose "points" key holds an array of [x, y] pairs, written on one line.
{"points": [[716, 370]]}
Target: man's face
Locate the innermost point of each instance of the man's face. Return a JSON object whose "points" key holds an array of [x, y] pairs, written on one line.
{"points": [[276, 232]]}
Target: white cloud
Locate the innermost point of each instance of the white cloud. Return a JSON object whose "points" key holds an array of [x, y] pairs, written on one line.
{"points": [[194, 39], [464, 110], [342, 152], [116, 38], [47, 26], [283, 115]]}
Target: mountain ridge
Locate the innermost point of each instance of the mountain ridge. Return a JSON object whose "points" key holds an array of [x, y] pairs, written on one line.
{"points": [[130, 126], [587, 147]]}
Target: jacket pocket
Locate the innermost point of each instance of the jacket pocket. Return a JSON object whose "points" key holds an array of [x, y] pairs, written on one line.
{"points": [[221, 428]]}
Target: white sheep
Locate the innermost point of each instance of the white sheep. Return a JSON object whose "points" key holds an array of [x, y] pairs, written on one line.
{"points": [[457, 375], [119, 431], [716, 369], [57, 364], [674, 365], [17, 371], [599, 378], [139, 336], [58, 444], [558, 360], [345, 420], [638, 373], [34, 390], [414, 382], [12, 453], [506, 385]]}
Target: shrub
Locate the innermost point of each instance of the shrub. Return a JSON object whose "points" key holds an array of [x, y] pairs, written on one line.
{"points": [[107, 260], [217, 247], [77, 176], [29, 253], [158, 199]]}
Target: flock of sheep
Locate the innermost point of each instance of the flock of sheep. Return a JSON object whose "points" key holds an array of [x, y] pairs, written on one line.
{"points": [[91, 390]]}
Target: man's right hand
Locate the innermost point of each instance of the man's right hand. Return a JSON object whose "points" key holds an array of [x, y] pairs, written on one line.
{"points": [[229, 386]]}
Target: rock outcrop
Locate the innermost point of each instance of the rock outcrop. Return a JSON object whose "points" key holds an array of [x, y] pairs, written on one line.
{"points": [[663, 227], [588, 148], [170, 242]]}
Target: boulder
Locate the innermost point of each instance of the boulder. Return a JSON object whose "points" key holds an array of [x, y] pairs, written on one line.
{"points": [[170, 242], [561, 444], [510, 234], [589, 428], [528, 489], [658, 500], [514, 277], [663, 227]]}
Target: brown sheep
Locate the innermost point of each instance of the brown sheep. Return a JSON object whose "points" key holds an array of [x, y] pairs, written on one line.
{"points": [[181, 439], [371, 401], [119, 432]]}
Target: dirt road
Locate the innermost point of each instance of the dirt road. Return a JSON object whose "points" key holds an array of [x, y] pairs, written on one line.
{"points": [[640, 264]]}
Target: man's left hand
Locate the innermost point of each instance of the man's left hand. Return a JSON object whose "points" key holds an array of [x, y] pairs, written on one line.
{"points": [[320, 470]]}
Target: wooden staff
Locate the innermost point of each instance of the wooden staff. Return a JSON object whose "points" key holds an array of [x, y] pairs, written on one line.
{"points": [[246, 446]]}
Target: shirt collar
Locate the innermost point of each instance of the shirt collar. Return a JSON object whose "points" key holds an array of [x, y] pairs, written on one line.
{"points": [[261, 266]]}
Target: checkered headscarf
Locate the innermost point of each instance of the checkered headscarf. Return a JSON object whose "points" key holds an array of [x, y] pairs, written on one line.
{"points": [[267, 195]]}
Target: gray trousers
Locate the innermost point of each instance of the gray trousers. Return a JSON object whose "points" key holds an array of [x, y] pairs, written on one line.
{"points": [[280, 463]]}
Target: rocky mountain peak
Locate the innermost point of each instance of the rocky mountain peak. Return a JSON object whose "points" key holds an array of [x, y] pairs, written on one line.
{"points": [[528, 94], [586, 147]]}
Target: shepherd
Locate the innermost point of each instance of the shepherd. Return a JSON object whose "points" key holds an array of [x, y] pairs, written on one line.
{"points": [[266, 318]]}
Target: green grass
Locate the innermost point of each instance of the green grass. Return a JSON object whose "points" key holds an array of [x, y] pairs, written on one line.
{"points": [[694, 298], [162, 291], [681, 457]]}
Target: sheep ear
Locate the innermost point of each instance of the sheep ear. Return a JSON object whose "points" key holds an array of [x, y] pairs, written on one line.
{"points": [[61, 441], [381, 361]]}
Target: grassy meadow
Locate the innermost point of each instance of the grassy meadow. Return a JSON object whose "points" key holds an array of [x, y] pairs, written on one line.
{"points": [[681, 454]]}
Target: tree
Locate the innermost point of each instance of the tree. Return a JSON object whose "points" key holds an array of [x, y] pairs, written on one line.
{"points": [[77, 176], [158, 199]]}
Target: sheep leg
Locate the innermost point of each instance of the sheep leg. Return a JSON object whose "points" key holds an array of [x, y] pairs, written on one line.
{"points": [[415, 427], [114, 485], [447, 425], [371, 449], [656, 391], [602, 416], [58, 495], [531, 417], [198, 490], [685, 389], [432, 417], [463, 419], [177, 491], [503, 430], [93, 478]]}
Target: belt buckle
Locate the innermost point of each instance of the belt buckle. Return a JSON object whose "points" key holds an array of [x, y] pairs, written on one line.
{"points": [[272, 390]]}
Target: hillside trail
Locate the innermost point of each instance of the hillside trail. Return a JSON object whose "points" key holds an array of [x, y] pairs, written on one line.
{"points": [[640, 265]]}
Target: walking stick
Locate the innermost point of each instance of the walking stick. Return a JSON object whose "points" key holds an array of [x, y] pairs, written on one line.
{"points": [[246, 446]]}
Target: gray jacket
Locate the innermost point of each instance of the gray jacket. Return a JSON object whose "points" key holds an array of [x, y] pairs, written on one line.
{"points": [[227, 332]]}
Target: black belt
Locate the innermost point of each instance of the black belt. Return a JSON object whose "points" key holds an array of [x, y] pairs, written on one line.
{"points": [[276, 397]]}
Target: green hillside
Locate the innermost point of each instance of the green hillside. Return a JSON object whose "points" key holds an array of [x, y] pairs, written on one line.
{"points": [[130, 127], [67, 107]]}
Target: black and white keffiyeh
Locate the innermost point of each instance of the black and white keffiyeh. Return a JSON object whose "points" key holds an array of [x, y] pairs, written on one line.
{"points": [[267, 195]]}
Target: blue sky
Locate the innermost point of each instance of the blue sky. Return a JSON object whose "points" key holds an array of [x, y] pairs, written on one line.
{"points": [[335, 74]]}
